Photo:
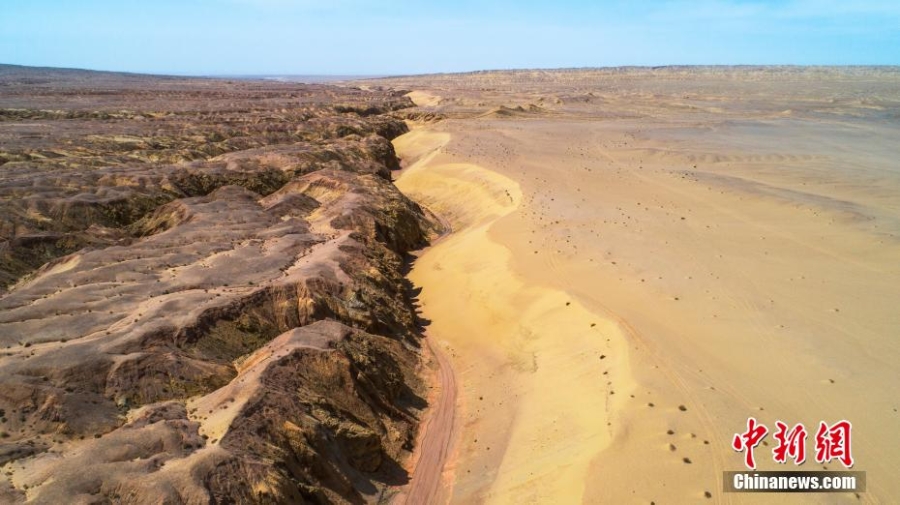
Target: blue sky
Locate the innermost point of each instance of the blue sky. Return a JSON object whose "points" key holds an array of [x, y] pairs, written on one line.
{"points": [[364, 37]]}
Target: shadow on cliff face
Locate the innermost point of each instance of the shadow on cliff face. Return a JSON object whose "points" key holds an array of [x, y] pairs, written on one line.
{"points": [[421, 322]]}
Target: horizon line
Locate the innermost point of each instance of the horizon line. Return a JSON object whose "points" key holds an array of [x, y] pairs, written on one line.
{"points": [[275, 76]]}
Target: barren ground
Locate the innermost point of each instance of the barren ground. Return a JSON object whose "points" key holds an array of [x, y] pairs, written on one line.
{"points": [[201, 291], [642, 259]]}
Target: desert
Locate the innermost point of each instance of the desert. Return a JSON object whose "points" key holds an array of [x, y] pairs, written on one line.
{"points": [[642, 259], [523, 287]]}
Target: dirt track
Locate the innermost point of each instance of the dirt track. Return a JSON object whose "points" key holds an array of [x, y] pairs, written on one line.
{"points": [[424, 486]]}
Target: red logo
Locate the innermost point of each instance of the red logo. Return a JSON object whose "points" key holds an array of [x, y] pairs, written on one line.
{"points": [[832, 442]]}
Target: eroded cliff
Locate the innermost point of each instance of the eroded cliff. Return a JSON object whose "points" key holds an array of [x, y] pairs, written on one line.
{"points": [[203, 298]]}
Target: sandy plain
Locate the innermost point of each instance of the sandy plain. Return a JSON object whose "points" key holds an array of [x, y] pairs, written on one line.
{"points": [[642, 259]]}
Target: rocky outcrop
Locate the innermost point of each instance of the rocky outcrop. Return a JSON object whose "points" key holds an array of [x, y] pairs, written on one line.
{"points": [[204, 293]]}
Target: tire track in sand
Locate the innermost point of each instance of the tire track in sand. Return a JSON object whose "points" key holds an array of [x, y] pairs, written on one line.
{"points": [[436, 432]]}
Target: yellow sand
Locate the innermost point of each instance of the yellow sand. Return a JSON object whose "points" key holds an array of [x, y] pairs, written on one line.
{"points": [[535, 402], [743, 259], [424, 99]]}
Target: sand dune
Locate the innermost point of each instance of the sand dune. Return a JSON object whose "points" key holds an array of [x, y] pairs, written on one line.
{"points": [[424, 99], [557, 419]]}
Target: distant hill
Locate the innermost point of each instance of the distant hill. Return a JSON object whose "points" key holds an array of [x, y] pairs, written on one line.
{"points": [[17, 72]]}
